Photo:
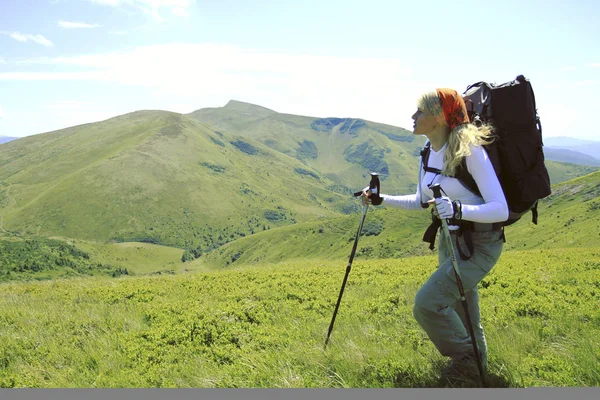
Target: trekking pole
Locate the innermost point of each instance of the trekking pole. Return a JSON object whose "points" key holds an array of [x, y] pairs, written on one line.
{"points": [[376, 200], [437, 193]]}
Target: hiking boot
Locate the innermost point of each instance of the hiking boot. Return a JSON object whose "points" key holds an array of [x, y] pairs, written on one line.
{"points": [[460, 368]]}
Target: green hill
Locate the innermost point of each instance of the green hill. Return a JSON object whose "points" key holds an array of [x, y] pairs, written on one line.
{"points": [[342, 149], [561, 171], [386, 233], [570, 217], [156, 177], [41, 258], [201, 180]]}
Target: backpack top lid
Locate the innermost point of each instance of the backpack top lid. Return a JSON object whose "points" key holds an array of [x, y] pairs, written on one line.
{"points": [[508, 107]]}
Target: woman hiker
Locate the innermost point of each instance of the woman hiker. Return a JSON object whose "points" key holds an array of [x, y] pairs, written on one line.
{"points": [[442, 118]]}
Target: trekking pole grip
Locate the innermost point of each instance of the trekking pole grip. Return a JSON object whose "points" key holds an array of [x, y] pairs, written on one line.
{"points": [[437, 190], [374, 187]]}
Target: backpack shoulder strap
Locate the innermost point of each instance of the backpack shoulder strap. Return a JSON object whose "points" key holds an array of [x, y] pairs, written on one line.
{"points": [[466, 179], [462, 172], [425, 156], [423, 167]]}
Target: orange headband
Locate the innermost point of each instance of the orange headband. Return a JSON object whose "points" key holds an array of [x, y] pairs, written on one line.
{"points": [[454, 108]]}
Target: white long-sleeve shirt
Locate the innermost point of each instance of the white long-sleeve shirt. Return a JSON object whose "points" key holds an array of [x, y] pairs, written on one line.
{"points": [[490, 207]]}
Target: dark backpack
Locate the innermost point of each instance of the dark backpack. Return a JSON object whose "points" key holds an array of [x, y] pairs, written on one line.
{"points": [[516, 153]]}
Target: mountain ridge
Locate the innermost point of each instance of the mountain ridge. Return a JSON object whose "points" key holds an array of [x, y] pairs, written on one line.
{"points": [[570, 156], [183, 180]]}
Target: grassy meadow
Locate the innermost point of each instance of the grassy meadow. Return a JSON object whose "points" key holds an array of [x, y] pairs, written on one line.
{"points": [[266, 327], [157, 249]]}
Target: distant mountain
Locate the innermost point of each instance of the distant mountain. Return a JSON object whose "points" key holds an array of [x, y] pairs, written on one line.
{"points": [[587, 147], [6, 139], [570, 156], [565, 142]]}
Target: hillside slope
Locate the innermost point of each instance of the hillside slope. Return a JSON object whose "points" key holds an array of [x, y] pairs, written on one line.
{"points": [[570, 217], [157, 177], [343, 149]]}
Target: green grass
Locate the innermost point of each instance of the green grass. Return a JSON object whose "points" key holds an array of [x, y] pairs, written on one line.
{"points": [[266, 327], [386, 233], [138, 258], [38, 258]]}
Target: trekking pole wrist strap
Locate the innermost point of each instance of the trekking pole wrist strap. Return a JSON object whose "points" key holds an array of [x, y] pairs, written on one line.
{"points": [[457, 207]]}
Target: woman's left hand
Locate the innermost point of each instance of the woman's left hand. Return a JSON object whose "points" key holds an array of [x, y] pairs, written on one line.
{"points": [[443, 207]]}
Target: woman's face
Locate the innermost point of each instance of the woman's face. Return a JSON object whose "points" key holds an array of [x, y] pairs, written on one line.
{"points": [[424, 122]]}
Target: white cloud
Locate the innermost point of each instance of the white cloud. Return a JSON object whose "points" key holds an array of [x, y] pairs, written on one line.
{"points": [[179, 8], [570, 68], [1, 113], [75, 25], [25, 37], [2, 61], [70, 105], [595, 65], [209, 74]]}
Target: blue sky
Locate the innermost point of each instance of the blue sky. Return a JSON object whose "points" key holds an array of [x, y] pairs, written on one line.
{"points": [[69, 62]]}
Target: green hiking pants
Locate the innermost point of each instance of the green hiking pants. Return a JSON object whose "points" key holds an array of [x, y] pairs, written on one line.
{"points": [[438, 308]]}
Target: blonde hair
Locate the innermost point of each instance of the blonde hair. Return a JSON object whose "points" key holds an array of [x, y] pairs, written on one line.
{"points": [[460, 139], [459, 144]]}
